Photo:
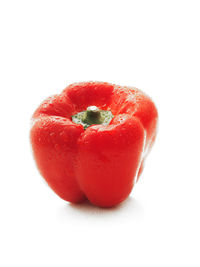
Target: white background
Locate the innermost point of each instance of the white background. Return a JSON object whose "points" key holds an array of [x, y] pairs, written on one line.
{"points": [[153, 45]]}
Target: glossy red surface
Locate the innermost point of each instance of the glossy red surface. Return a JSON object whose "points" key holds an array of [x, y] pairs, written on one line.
{"points": [[100, 163]]}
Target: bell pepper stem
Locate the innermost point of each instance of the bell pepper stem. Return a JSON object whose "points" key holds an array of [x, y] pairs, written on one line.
{"points": [[93, 115]]}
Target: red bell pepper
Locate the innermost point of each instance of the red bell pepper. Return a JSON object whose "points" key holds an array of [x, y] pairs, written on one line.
{"points": [[90, 141]]}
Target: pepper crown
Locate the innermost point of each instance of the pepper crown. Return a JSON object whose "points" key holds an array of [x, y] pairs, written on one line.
{"points": [[93, 115]]}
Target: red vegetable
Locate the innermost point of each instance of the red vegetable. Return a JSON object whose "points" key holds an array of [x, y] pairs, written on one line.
{"points": [[93, 153]]}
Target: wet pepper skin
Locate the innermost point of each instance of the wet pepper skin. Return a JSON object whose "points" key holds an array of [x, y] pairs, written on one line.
{"points": [[103, 162]]}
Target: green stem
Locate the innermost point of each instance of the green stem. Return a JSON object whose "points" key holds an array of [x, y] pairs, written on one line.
{"points": [[92, 116]]}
